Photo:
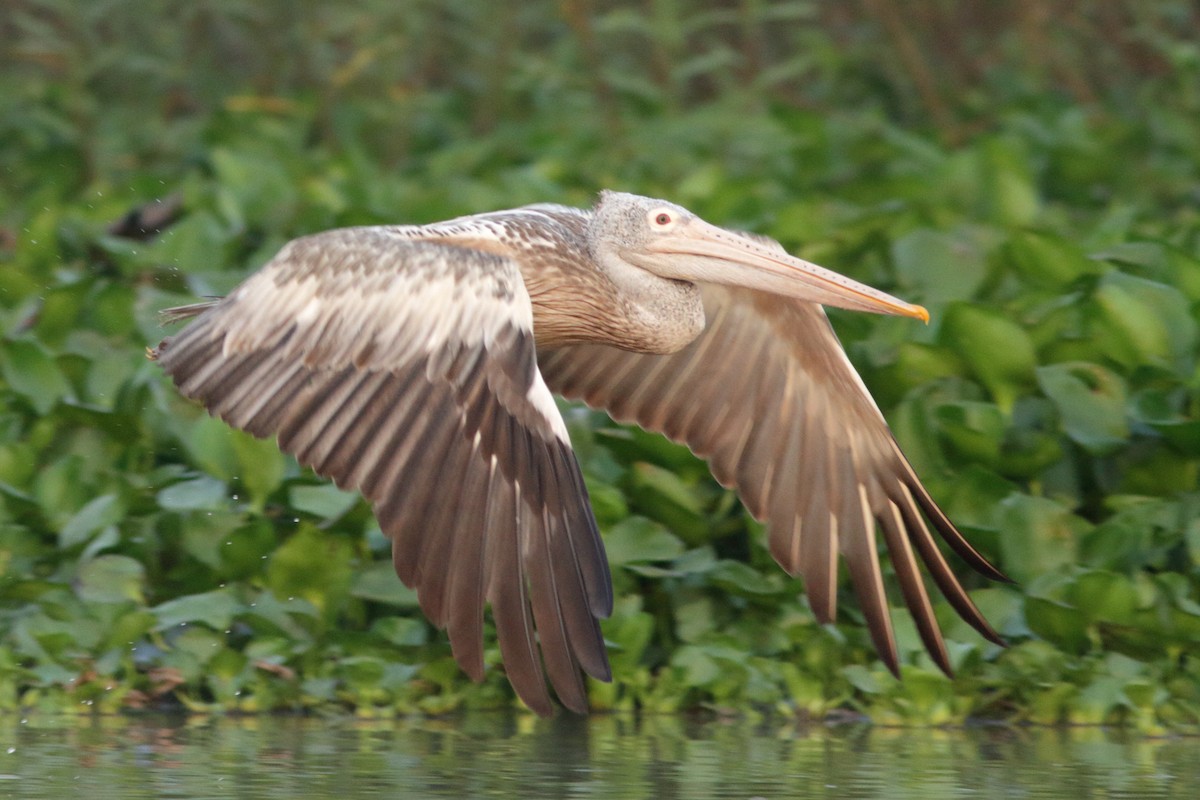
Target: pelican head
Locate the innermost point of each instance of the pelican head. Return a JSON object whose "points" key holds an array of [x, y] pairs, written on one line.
{"points": [[669, 241]]}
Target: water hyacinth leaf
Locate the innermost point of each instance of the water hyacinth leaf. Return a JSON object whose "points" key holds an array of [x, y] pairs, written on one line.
{"points": [[862, 678], [1091, 403], [1159, 471], [110, 310], [1057, 622], [110, 579], [699, 668], [245, 549], [996, 350], [216, 609], [638, 540], [1159, 261], [314, 565], [1039, 535], [663, 495], [1145, 322], [1192, 537], [261, 466], [742, 579], [940, 265], [918, 364], [254, 185], [208, 536], [99, 513], [18, 463], [1048, 261], [402, 631], [197, 243], [975, 430], [608, 503], [1127, 538], [915, 428], [209, 442], [974, 495], [286, 616], [227, 673], [62, 486], [635, 445], [107, 375], [59, 314], [1031, 443], [994, 180], [198, 494], [324, 500], [33, 374], [694, 619], [1104, 597], [378, 583], [1160, 410]]}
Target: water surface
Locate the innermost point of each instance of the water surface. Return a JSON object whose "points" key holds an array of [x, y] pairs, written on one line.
{"points": [[488, 755]]}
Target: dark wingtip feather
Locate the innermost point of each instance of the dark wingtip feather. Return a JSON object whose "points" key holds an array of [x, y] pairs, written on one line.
{"points": [[950, 533], [890, 660]]}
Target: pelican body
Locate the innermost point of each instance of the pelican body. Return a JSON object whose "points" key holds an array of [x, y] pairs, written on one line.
{"points": [[417, 365]]}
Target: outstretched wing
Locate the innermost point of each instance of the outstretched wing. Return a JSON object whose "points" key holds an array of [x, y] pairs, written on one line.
{"points": [[406, 369], [767, 394]]}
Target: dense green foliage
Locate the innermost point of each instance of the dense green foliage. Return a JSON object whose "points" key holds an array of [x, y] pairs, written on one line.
{"points": [[1043, 205]]}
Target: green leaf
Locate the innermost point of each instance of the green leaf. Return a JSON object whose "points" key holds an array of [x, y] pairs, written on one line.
{"points": [[1091, 402], [261, 466], [1104, 597], [312, 564], [975, 430], [33, 374], [210, 444], [402, 631], [699, 669], [1060, 623], [740, 578], [862, 678], [997, 350], [1037, 535], [215, 609], [639, 540], [662, 495], [325, 501], [941, 265], [1160, 410], [110, 579], [244, 550], [1049, 261], [254, 185], [1145, 322], [378, 583], [198, 494], [194, 244], [99, 513]]}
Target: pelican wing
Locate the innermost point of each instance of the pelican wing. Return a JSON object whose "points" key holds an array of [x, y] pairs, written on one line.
{"points": [[406, 369], [767, 394]]}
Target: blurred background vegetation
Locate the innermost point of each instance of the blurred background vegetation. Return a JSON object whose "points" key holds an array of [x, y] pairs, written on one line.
{"points": [[1028, 170]]}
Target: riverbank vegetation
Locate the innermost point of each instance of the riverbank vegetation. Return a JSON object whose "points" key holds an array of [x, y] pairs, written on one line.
{"points": [[1027, 171]]}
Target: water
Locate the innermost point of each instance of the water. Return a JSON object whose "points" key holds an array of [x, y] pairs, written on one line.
{"points": [[567, 757]]}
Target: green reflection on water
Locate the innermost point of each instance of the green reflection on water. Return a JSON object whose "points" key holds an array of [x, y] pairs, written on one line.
{"points": [[603, 757]]}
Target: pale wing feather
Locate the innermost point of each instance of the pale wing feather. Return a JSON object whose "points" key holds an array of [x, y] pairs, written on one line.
{"points": [[767, 394], [406, 369]]}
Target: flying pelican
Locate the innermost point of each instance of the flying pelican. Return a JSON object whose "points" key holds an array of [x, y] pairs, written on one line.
{"points": [[416, 363]]}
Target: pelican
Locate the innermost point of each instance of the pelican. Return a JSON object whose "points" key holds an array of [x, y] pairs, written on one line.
{"points": [[417, 364]]}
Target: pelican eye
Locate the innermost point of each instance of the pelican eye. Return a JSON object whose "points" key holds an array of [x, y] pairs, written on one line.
{"points": [[662, 218]]}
